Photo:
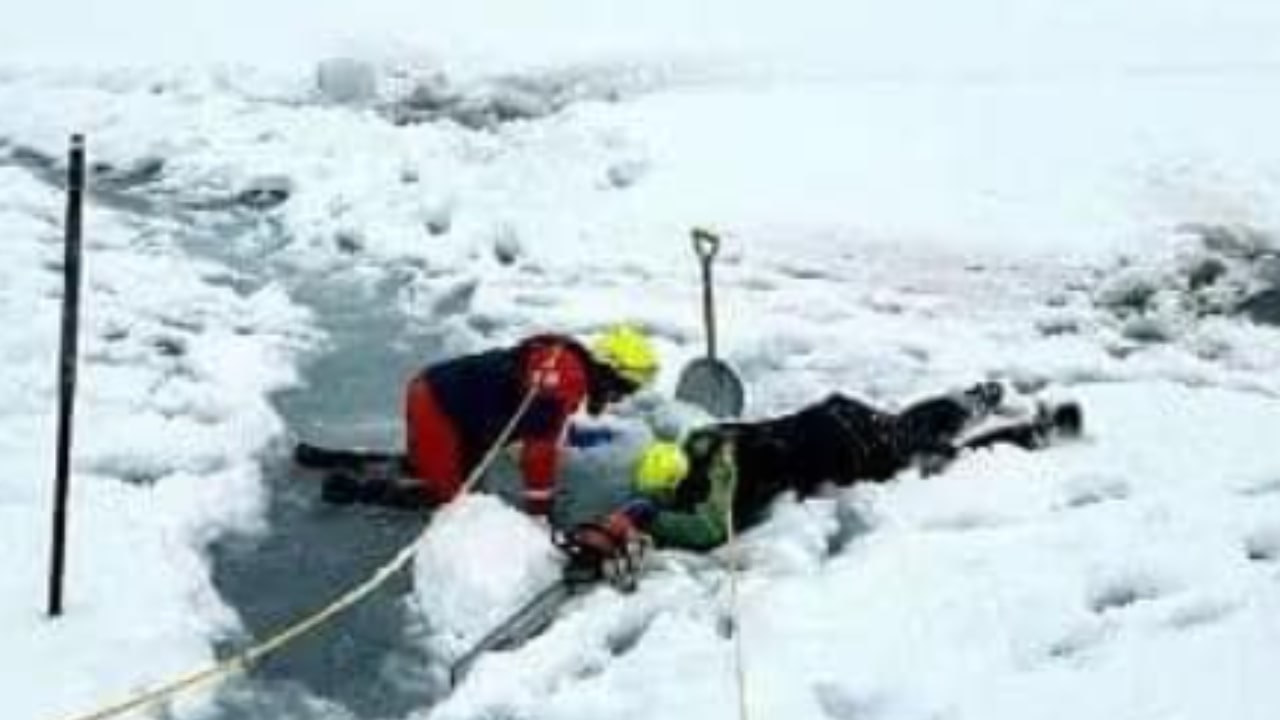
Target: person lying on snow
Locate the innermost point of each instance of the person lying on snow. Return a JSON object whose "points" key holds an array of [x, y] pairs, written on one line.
{"points": [[456, 410], [730, 472]]}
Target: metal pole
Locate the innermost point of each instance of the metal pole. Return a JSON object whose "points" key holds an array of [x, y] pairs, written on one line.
{"points": [[67, 368]]}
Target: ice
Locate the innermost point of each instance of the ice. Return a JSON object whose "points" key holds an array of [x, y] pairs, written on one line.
{"points": [[1030, 598], [347, 80], [1074, 199], [171, 411], [480, 562]]}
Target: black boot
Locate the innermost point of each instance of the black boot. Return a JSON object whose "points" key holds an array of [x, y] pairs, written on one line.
{"points": [[985, 397], [340, 488], [398, 493], [343, 488], [1064, 420]]}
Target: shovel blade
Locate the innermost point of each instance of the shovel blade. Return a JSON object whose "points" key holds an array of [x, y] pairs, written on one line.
{"points": [[713, 386]]}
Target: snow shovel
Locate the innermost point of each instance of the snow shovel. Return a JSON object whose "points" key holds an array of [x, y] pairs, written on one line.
{"points": [[708, 382]]}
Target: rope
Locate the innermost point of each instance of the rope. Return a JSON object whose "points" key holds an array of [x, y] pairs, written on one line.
{"points": [[735, 614], [243, 660]]}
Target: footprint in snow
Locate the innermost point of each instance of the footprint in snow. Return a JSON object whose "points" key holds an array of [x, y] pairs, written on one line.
{"points": [[1263, 544], [1078, 641], [805, 272], [964, 521], [1086, 490], [1266, 487], [839, 703], [536, 300], [455, 300], [1119, 591], [1199, 611]]}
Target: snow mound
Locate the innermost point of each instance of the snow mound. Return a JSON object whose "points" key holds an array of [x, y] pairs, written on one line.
{"points": [[1208, 271], [1135, 569], [480, 561]]}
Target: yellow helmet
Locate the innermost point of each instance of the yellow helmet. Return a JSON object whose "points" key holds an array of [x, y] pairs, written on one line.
{"points": [[628, 352], [660, 468]]}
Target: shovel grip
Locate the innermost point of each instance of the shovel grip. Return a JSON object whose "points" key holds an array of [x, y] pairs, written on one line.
{"points": [[706, 244]]}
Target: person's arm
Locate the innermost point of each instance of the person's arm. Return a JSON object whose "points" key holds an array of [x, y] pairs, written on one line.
{"points": [[559, 381], [706, 525]]}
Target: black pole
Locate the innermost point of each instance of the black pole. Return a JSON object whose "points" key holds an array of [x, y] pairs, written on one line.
{"points": [[67, 368]]}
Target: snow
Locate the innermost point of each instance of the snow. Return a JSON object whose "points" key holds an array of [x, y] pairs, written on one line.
{"points": [[1069, 197], [171, 411], [1110, 577], [481, 561]]}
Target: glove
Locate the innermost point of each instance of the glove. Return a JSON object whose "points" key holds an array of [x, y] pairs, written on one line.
{"points": [[613, 550], [640, 511], [588, 437]]}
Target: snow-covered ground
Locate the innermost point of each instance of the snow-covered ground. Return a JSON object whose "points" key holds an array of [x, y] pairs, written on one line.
{"points": [[1072, 197], [171, 415], [1132, 576]]}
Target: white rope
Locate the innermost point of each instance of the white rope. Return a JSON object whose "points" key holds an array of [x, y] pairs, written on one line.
{"points": [[735, 610]]}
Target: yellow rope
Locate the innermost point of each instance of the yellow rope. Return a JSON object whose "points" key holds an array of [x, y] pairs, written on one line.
{"points": [[244, 659]]}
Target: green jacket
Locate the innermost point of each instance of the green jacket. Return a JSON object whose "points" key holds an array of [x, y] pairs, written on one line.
{"points": [[706, 524]]}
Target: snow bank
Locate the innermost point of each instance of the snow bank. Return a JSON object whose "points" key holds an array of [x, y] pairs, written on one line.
{"points": [[481, 561], [1110, 577], [174, 372]]}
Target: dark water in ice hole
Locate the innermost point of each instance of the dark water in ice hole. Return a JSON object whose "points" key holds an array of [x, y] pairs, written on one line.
{"points": [[365, 663], [368, 660]]}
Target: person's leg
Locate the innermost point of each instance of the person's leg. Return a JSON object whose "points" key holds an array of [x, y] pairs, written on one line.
{"points": [[430, 473], [432, 444], [1062, 421], [932, 426], [849, 440]]}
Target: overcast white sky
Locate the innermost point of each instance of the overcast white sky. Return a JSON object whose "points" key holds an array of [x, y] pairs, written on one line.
{"points": [[862, 35]]}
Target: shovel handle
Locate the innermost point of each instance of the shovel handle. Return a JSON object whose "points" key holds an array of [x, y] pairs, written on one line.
{"points": [[706, 245]]}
